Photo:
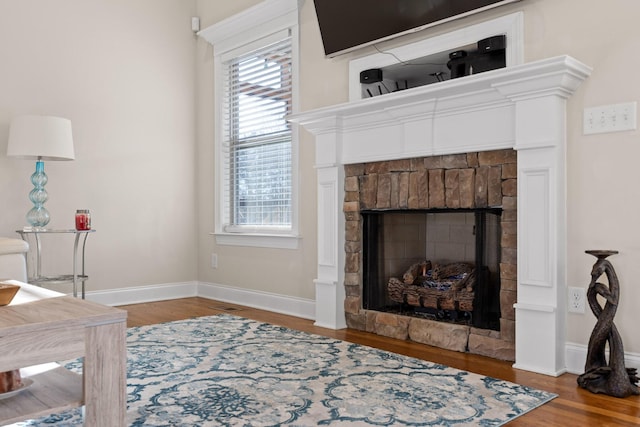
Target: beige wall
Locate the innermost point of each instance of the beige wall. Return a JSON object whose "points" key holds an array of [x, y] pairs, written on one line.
{"points": [[602, 211], [603, 200], [123, 72]]}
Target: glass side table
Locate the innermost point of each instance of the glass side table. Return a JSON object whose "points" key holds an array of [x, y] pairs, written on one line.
{"points": [[78, 276]]}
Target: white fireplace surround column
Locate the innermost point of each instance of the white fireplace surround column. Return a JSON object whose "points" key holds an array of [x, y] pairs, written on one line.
{"points": [[520, 107]]}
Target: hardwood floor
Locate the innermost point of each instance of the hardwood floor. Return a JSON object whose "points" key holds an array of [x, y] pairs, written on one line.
{"points": [[573, 407]]}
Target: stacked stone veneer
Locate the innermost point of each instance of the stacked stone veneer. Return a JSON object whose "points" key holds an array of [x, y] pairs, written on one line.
{"points": [[465, 181]]}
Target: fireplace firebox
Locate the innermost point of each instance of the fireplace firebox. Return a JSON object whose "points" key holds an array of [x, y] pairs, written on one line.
{"points": [[437, 264]]}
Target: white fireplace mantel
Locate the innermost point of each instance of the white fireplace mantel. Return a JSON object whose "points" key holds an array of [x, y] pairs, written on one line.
{"points": [[521, 107]]}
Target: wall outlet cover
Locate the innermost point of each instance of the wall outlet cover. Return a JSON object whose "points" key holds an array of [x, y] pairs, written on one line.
{"points": [[576, 300]]}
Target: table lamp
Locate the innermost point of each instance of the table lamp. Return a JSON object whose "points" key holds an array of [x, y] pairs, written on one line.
{"points": [[40, 138]]}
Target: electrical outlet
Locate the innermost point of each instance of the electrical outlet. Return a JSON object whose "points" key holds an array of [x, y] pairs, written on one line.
{"points": [[577, 298], [214, 260], [610, 118]]}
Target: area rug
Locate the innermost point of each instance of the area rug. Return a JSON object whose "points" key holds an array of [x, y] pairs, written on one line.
{"points": [[229, 371]]}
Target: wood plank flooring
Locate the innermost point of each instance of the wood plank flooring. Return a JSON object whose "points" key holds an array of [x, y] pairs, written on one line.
{"points": [[573, 407]]}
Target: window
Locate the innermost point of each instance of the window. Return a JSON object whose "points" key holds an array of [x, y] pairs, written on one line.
{"points": [[255, 69], [257, 139]]}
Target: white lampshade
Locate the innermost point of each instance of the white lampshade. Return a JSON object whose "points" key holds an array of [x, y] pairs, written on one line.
{"points": [[41, 137]]}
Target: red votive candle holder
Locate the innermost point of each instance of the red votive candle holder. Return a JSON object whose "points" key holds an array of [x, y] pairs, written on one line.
{"points": [[83, 219]]}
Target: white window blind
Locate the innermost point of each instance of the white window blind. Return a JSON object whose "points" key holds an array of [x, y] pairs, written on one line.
{"points": [[257, 143]]}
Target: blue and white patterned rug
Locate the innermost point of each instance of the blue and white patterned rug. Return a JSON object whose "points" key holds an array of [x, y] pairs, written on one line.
{"points": [[230, 371]]}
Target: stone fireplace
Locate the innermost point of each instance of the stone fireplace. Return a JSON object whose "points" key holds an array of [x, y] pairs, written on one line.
{"points": [[520, 107], [442, 185]]}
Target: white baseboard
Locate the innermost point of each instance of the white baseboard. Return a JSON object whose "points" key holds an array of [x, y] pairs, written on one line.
{"points": [[576, 356], [141, 294], [298, 307]]}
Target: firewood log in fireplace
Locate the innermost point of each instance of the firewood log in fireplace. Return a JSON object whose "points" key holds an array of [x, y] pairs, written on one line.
{"points": [[445, 271], [416, 270], [440, 286]]}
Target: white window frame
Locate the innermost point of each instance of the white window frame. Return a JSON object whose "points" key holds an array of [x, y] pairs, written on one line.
{"points": [[253, 28]]}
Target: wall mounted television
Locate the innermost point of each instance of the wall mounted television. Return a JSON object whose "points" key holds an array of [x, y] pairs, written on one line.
{"points": [[346, 25]]}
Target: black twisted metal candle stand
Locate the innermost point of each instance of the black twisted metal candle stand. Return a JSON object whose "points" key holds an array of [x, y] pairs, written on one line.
{"points": [[610, 378]]}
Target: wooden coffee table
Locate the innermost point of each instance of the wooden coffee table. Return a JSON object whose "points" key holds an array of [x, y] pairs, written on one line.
{"points": [[42, 326]]}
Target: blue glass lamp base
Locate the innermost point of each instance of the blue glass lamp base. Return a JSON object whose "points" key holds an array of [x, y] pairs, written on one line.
{"points": [[38, 216]]}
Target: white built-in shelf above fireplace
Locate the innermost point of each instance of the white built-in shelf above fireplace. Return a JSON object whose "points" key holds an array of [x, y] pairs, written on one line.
{"points": [[521, 107], [414, 63]]}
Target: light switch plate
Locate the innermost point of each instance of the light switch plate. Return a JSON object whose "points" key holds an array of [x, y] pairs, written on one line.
{"points": [[610, 118]]}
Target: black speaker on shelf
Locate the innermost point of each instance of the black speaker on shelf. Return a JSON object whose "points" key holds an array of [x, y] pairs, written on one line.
{"points": [[459, 63], [373, 75], [492, 44], [489, 56]]}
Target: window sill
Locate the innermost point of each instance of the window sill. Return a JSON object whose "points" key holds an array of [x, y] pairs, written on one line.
{"points": [[274, 241]]}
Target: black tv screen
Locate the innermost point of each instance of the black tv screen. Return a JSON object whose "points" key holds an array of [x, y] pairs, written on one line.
{"points": [[347, 24]]}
